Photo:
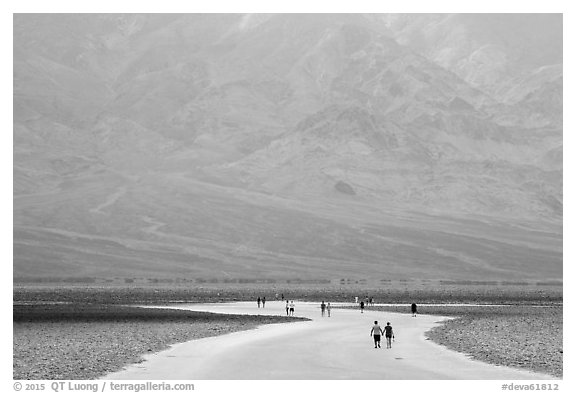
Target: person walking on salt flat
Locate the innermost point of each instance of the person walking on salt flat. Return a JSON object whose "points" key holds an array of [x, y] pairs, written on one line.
{"points": [[389, 333], [377, 333]]}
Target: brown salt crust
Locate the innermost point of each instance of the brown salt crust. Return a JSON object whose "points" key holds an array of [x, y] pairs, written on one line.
{"points": [[526, 337], [90, 342]]}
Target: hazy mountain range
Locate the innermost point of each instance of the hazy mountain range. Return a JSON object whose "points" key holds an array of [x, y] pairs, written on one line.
{"points": [[288, 146]]}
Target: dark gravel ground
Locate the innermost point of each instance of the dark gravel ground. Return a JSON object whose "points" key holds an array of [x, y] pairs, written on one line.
{"points": [[528, 337], [388, 293], [71, 341], [86, 332]]}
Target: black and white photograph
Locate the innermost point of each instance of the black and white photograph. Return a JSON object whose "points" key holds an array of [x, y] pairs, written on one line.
{"points": [[291, 196]]}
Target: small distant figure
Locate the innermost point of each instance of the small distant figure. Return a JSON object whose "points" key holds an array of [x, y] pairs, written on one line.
{"points": [[282, 297], [276, 297], [356, 299], [258, 301], [371, 301], [414, 311], [377, 332], [287, 308], [292, 308], [362, 307], [263, 301], [389, 334], [323, 308], [328, 308], [366, 302]]}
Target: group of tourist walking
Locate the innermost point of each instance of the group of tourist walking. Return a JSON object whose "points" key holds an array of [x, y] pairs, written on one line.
{"points": [[261, 301], [376, 332], [290, 308], [325, 308], [366, 302]]}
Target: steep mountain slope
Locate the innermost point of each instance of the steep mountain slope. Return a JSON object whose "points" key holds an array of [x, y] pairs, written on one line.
{"points": [[282, 146], [486, 50]]}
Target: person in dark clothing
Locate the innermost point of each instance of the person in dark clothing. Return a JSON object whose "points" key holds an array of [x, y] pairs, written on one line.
{"points": [[258, 301], [413, 307], [263, 301], [389, 333], [361, 307]]}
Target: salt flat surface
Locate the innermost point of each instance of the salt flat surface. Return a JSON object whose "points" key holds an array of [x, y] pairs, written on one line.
{"points": [[336, 347]]}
